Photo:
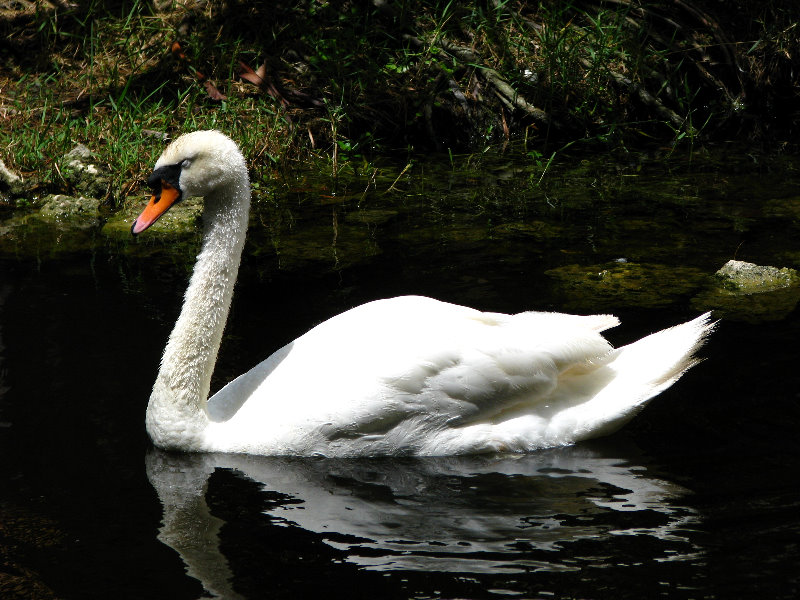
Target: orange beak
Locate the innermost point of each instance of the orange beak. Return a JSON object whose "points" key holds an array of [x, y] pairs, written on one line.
{"points": [[158, 205]]}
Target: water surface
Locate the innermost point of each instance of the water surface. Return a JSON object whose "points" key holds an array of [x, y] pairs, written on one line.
{"points": [[696, 498]]}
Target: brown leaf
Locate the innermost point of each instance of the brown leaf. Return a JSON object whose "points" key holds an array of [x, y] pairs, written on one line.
{"points": [[213, 92], [259, 78], [254, 77], [262, 70]]}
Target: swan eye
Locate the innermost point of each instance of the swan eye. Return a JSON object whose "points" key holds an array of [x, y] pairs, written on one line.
{"points": [[185, 163]]}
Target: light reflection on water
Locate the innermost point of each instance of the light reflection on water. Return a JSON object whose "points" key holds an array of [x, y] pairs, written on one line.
{"points": [[511, 514]]}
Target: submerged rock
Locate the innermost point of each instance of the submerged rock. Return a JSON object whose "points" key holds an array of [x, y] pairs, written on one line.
{"points": [[331, 246], [751, 293], [37, 235], [623, 284], [536, 230]]}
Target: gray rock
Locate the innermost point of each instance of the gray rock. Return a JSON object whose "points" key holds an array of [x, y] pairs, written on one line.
{"points": [[7, 176], [751, 293], [748, 278], [79, 155], [84, 174], [11, 184]]}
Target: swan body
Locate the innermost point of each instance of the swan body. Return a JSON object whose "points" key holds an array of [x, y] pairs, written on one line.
{"points": [[407, 375]]}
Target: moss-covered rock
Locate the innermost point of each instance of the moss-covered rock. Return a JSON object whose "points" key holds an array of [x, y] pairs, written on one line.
{"points": [[783, 208], [176, 234], [748, 278], [539, 231], [751, 293], [61, 225], [77, 211], [337, 247], [183, 219], [594, 288], [27, 234]]}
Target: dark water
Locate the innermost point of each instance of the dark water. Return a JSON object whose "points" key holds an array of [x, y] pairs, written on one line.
{"points": [[697, 498]]}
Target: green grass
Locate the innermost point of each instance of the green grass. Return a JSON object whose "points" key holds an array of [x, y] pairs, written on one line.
{"points": [[354, 80], [114, 93], [119, 129]]}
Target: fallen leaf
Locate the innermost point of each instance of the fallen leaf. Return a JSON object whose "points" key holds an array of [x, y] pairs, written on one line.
{"points": [[213, 92]]}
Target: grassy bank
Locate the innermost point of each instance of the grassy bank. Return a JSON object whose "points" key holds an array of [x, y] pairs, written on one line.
{"points": [[343, 81]]}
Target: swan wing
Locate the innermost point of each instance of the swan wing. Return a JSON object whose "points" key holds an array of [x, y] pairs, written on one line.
{"points": [[397, 372]]}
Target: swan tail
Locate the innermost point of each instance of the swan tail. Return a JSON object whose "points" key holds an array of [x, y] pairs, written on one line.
{"points": [[590, 400], [635, 374], [664, 356]]}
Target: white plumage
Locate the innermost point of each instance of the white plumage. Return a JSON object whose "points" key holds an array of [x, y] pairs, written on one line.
{"points": [[408, 375]]}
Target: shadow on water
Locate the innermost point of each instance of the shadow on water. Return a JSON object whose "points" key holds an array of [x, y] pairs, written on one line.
{"points": [[696, 498]]}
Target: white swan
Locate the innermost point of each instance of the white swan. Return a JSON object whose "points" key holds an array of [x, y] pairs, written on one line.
{"points": [[408, 375]]}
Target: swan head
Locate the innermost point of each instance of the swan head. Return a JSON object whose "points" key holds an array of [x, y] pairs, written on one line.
{"points": [[200, 163]]}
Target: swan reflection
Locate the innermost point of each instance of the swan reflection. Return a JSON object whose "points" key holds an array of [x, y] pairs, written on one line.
{"points": [[459, 514]]}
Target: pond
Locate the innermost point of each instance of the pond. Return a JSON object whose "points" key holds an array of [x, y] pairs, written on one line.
{"points": [[695, 498]]}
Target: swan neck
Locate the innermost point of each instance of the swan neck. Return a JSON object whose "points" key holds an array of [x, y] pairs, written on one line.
{"points": [[177, 413]]}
